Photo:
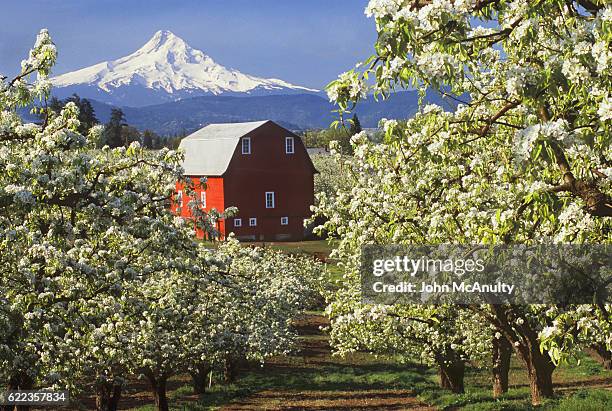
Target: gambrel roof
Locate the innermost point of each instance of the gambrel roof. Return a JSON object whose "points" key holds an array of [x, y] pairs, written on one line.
{"points": [[208, 151]]}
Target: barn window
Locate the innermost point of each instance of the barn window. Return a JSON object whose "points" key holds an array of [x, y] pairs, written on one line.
{"points": [[246, 145], [289, 147], [237, 222], [252, 221], [179, 198], [203, 198], [270, 203], [284, 220]]}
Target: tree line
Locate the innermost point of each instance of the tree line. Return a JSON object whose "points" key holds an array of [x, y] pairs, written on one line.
{"points": [[338, 135], [117, 132]]}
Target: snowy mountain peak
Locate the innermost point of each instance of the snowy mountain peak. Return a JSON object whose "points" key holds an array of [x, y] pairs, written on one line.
{"points": [[165, 68], [164, 40], [163, 36]]}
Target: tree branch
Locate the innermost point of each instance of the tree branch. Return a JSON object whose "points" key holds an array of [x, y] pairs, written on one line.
{"points": [[597, 203]]}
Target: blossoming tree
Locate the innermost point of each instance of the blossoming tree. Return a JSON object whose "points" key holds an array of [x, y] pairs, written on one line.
{"points": [[77, 226], [525, 157]]}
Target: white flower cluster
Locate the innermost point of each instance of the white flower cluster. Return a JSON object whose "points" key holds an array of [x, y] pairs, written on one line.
{"points": [[574, 222], [605, 109], [383, 8], [575, 71], [518, 80], [348, 86], [435, 65], [526, 139]]}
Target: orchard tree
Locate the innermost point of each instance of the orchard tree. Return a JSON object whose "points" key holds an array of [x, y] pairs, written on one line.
{"points": [[525, 158], [234, 303], [169, 316], [442, 336], [78, 226]]}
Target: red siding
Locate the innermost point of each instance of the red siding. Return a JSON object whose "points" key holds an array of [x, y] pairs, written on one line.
{"points": [[214, 199]]}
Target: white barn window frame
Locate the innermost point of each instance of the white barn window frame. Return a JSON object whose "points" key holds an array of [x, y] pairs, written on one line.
{"points": [[253, 222], [179, 198], [237, 222], [245, 143], [289, 145], [270, 199], [284, 221], [203, 198]]}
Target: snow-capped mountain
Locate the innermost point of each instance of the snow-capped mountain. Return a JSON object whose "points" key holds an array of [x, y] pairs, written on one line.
{"points": [[165, 69]]}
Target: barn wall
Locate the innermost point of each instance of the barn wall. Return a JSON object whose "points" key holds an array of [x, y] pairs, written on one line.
{"points": [[269, 168]]}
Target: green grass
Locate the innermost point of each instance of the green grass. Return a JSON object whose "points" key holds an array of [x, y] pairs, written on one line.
{"points": [[332, 378], [584, 368], [518, 400], [567, 378], [586, 400], [313, 247]]}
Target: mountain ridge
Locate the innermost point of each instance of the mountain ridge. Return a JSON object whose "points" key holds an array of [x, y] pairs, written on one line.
{"points": [[293, 111]]}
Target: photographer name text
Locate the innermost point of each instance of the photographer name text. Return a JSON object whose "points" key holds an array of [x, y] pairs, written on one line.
{"points": [[435, 288]]}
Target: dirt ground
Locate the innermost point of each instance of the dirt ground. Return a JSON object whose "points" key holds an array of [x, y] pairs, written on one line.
{"points": [[316, 353]]}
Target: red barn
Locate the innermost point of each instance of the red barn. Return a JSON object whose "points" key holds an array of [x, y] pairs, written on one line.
{"points": [[259, 167]]}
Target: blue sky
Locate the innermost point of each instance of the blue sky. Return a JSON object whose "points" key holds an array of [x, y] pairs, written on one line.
{"points": [[307, 42]]}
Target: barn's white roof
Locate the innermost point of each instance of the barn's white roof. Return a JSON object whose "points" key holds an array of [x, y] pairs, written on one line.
{"points": [[209, 150]]}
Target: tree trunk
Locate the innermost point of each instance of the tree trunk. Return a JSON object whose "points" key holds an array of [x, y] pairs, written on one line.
{"points": [[540, 369], [600, 354], [158, 389], [502, 351], [526, 344], [451, 371], [229, 369], [199, 378], [540, 380], [108, 394], [444, 381]]}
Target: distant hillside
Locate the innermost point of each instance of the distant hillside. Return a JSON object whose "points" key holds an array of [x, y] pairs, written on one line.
{"points": [[298, 111]]}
